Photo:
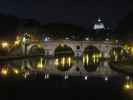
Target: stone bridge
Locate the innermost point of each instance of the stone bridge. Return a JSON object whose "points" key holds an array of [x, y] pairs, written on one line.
{"points": [[103, 46]]}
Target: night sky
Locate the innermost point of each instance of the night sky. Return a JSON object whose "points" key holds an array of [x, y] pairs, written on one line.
{"points": [[80, 12]]}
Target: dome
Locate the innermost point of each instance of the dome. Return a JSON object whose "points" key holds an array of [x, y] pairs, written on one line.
{"points": [[98, 25]]}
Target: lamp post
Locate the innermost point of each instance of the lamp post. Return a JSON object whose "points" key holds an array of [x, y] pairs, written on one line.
{"points": [[25, 40]]}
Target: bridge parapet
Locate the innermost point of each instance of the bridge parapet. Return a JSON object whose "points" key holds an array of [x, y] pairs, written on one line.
{"points": [[50, 46]]}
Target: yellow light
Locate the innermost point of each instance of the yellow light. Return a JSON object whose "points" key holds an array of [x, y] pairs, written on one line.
{"points": [[62, 45], [128, 85], [4, 71], [39, 45], [87, 59], [94, 58], [69, 61], [100, 55], [114, 53], [17, 42], [116, 57], [57, 62], [63, 61], [131, 50], [122, 51], [40, 63], [24, 40], [16, 71], [97, 60], [83, 59], [4, 44]]}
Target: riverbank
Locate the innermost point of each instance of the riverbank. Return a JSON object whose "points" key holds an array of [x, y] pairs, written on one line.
{"points": [[122, 68]]}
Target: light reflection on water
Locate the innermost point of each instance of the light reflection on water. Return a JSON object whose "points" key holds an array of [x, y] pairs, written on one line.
{"points": [[62, 64], [39, 64]]}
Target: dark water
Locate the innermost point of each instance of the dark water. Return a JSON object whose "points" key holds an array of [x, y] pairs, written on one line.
{"points": [[74, 88], [56, 87]]}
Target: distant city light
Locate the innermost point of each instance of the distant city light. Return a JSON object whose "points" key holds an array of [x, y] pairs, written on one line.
{"points": [[4, 44], [4, 71], [16, 71]]}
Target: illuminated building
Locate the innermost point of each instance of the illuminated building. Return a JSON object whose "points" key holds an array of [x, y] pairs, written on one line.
{"points": [[99, 25], [100, 31]]}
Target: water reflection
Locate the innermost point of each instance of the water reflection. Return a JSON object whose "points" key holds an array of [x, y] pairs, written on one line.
{"points": [[91, 58], [37, 63], [63, 63], [7, 70], [13, 68], [40, 64], [128, 83], [118, 54], [64, 57]]}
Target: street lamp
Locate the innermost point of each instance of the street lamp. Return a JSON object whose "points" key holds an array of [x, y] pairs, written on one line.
{"points": [[5, 44], [4, 71]]}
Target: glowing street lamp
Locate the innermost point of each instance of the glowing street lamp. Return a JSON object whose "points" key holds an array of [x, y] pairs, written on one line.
{"points": [[17, 42], [16, 71], [4, 44], [4, 71], [128, 85]]}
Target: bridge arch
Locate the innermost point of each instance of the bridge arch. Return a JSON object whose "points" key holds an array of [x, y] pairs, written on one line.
{"points": [[91, 58], [117, 54], [35, 49], [64, 57]]}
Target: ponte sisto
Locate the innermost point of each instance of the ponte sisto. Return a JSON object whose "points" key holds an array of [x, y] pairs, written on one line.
{"points": [[76, 64], [77, 46]]}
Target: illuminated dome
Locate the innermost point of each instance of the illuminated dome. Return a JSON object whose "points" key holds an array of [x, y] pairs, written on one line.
{"points": [[98, 25]]}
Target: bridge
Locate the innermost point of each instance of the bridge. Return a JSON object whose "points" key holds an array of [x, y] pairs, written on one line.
{"points": [[77, 68], [103, 46]]}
